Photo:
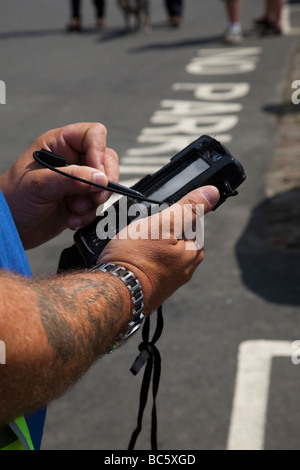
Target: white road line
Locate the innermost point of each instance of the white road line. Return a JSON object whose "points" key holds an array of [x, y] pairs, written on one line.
{"points": [[179, 121], [286, 20], [248, 418]]}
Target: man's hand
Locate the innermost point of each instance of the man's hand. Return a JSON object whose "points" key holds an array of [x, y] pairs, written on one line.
{"points": [[64, 323], [44, 203], [162, 265]]}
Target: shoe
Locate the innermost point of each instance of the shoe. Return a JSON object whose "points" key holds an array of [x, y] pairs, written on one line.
{"points": [[74, 26], [270, 29], [233, 36], [174, 21], [260, 22], [101, 22]]}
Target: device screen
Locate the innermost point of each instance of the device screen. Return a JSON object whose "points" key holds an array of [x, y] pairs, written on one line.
{"points": [[181, 179]]}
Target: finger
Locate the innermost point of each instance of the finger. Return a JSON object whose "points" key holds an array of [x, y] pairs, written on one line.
{"points": [[111, 165], [88, 139], [206, 195], [178, 221], [56, 186], [111, 168], [183, 215], [78, 221], [81, 204], [94, 146]]}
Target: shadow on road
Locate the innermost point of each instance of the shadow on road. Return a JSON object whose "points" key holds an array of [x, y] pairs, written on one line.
{"points": [[282, 109], [39, 33], [23, 34], [171, 44], [268, 251]]}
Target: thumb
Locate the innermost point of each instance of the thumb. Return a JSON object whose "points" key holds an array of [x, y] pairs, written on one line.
{"points": [[182, 215], [206, 195], [190, 210]]}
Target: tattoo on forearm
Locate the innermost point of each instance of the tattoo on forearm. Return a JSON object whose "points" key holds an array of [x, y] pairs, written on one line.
{"points": [[86, 336]]}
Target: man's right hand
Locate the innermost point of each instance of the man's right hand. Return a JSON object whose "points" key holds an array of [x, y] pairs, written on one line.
{"points": [[162, 265]]}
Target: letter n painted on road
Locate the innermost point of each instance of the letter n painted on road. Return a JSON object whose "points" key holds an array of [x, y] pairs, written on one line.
{"points": [[224, 62]]}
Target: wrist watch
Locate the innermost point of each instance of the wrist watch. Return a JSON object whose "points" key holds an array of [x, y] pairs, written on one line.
{"points": [[136, 294]]}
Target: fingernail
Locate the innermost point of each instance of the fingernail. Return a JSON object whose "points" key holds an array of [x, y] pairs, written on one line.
{"points": [[211, 193], [100, 178]]}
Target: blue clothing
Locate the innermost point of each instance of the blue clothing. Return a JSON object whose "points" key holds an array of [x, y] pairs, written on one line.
{"points": [[13, 258]]}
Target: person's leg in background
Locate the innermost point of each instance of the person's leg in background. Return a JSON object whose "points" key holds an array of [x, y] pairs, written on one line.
{"points": [[270, 23], [100, 12], [175, 12], [75, 22], [234, 33]]}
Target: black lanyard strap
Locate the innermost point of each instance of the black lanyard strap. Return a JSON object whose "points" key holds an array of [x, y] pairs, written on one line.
{"points": [[148, 354]]}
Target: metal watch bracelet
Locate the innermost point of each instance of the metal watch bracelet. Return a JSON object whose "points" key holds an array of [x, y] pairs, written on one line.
{"points": [[136, 294]]}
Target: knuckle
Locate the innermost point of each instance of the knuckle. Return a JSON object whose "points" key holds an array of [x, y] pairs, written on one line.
{"points": [[37, 185], [112, 154], [192, 204], [98, 127]]}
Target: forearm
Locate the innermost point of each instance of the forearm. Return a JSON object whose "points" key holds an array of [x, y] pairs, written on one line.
{"points": [[54, 329]]}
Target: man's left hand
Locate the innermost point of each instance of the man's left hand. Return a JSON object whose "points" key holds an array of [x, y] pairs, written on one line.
{"points": [[44, 203]]}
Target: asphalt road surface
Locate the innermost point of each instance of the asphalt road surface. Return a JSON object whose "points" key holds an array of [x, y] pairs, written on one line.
{"points": [[228, 379]]}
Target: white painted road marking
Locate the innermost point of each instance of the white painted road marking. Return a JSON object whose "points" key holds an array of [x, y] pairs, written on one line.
{"points": [[248, 418], [211, 109], [205, 113], [175, 125], [287, 12]]}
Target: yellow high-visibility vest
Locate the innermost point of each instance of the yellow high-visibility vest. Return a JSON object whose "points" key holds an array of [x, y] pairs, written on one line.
{"points": [[23, 439]]}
